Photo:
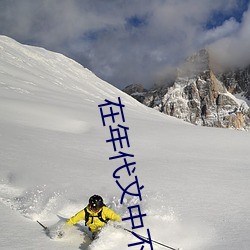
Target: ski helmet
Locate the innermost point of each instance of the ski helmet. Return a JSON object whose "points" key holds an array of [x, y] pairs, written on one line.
{"points": [[95, 202]]}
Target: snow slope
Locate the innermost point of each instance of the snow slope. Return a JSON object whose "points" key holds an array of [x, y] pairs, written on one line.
{"points": [[54, 155]]}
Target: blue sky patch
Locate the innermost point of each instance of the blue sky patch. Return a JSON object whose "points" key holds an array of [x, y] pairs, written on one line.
{"points": [[136, 21], [219, 17]]}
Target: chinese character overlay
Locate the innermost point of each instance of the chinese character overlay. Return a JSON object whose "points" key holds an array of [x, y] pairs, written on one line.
{"points": [[125, 191], [119, 139], [126, 165], [132, 217], [112, 114], [143, 240]]}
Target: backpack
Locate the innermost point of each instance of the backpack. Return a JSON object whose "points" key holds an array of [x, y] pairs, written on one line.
{"points": [[99, 216]]}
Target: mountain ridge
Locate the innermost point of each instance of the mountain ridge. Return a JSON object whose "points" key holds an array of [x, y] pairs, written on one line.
{"points": [[201, 95]]}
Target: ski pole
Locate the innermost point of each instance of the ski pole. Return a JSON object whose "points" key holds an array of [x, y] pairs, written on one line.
{"points": [[156, 242], [45, 228]]}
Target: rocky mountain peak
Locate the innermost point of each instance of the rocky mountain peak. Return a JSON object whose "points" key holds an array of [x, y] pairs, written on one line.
{"points": [[196, 64], [200, 96]]}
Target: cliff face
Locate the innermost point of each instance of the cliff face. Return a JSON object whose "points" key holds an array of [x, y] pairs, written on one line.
{"points": [[237, 81], [201, 97]]}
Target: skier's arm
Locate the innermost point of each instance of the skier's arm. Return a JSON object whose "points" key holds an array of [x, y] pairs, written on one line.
{"points": [[77, 217], [110, 214]]}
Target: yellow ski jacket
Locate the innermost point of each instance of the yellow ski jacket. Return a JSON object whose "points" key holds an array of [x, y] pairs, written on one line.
{"points": [[94, 223]]}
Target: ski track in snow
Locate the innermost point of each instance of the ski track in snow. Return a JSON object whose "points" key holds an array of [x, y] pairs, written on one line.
{"points": [[36, 205], [40, 204], [31, 204]]}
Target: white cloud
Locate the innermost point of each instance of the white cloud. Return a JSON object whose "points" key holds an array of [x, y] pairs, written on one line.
{"points": [[233, 50], [228, 28], [97, 32]]}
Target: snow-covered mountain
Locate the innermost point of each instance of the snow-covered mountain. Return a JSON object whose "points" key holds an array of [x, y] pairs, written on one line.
{"points": [[201, 95], [54, 155]]}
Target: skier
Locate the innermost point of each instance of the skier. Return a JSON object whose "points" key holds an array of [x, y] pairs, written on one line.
{"points": [[95, 214]]}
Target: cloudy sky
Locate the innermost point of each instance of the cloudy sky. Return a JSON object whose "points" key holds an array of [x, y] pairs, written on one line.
{"points": [[131, 41]]}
